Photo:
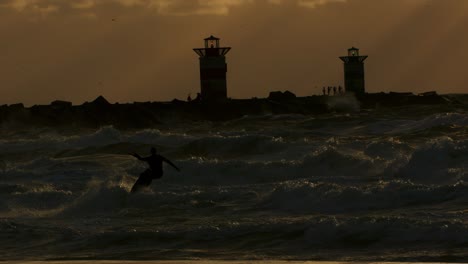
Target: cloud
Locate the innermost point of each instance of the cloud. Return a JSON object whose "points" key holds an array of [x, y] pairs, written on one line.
{"points": [[187, 7], [316, 3], [20, 5], [29, 5], [161, 7], [40, 7], [308, 3], [83, 4]]}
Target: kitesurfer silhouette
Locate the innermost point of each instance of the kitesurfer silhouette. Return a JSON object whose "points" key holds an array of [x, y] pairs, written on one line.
{"points": [[155, 170]]}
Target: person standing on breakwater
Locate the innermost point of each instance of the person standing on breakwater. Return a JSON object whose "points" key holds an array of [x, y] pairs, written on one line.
{"points": [[155, 170]]}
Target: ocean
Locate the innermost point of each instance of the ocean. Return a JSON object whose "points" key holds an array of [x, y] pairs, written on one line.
{"points": [[387, 184]]}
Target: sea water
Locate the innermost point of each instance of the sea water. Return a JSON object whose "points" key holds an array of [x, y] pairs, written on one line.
{"points": [[369, 185]]}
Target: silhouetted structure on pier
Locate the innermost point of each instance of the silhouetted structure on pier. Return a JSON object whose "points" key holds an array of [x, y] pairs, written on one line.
{"points": [[354, 71], [213, 69]]}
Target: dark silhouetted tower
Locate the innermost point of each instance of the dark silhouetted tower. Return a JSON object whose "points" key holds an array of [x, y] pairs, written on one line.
{"points": [[213, 69], [354, 71]]}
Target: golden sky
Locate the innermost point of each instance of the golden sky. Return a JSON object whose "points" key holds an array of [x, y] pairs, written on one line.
{"points": [[141, 50]]}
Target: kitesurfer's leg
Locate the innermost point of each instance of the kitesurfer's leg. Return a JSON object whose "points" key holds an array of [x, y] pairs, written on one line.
{"points": [[143, 181]]}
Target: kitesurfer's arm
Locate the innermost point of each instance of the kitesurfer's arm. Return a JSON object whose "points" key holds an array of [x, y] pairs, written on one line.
{"points": [[137, 156], [170, 163]]}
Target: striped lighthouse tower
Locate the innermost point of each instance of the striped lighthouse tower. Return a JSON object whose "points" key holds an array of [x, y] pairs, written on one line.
{"points": [[354, 72], [213, 69]]}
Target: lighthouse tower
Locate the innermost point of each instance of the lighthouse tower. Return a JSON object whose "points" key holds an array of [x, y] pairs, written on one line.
{"points": [[354, 71], [213, 69]]}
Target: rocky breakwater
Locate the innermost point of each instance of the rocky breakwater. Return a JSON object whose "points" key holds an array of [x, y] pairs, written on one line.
{"points": [[100, 112]]}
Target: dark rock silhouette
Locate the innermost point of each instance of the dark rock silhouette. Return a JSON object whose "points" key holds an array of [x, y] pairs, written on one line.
{"points": [[16, 107], [60, 104], [281, 96], [100, 101]]}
